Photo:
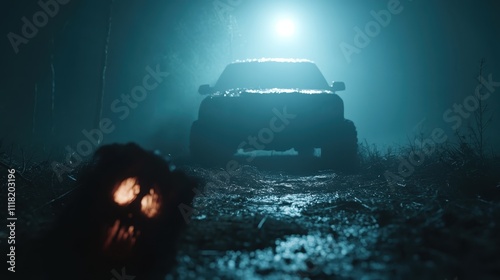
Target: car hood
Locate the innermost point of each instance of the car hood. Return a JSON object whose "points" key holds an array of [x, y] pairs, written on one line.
{"points": [[239, 91]]}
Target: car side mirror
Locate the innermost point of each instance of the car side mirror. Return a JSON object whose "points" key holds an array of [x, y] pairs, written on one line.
{"points": [[204, 89], [338, 86]]}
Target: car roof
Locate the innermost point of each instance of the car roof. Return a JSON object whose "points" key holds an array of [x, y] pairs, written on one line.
{"points": [[271, 73]]}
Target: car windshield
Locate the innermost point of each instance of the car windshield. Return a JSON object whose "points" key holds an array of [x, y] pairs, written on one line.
{"points": [[271, 74]]}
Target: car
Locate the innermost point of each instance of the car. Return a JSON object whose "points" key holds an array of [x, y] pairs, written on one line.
{"points": [[273, 104]]}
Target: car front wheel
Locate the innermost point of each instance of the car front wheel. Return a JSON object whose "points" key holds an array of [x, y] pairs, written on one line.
{"points": [[340, 152]]}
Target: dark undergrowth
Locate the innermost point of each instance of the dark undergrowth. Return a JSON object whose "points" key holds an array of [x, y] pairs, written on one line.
{"points": [[436, 217], [458, 168]]}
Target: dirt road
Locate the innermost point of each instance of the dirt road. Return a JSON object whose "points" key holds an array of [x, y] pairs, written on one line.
{"points": [[277, 225]]}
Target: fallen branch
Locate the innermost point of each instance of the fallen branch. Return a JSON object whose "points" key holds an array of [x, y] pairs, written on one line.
{"points": [[57, 198], [262, 222]]}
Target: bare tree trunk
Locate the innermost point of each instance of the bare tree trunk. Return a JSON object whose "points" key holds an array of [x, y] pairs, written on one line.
{"points": [[234, 31], [473, 141], [480, 116], [53, 89], [100, 97], [33, 121]]}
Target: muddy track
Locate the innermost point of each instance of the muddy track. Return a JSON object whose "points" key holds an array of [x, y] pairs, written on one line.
{"points": [[274, 225]]}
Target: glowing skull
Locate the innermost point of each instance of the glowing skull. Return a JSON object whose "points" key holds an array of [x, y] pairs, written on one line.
{"points": [[126, 193]]}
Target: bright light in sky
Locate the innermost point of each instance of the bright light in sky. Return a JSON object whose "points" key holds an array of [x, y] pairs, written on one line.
{"points": [[285, 28]]}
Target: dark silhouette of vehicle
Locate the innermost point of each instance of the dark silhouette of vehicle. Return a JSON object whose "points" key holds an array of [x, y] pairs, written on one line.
{"points": [[273, 104]]}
